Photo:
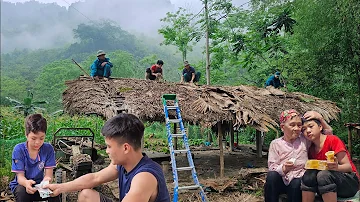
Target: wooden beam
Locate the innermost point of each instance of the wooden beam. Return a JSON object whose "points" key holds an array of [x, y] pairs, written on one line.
{"points": [[231, 136], [258, 144], [220, 137]]}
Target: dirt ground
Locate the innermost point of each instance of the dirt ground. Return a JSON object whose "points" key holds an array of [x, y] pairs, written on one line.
{"points": [[244, 176]]}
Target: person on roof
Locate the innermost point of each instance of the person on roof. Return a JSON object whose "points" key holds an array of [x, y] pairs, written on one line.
{"points": [[101, 67], [189, 74], [155, 71], [274, 80]]}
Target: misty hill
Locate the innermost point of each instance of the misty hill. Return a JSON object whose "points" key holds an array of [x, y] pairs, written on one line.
{"points": [[35, 25]]}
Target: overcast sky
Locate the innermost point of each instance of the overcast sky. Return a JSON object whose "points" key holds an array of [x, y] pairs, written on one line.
{"points": [[192, 5]]}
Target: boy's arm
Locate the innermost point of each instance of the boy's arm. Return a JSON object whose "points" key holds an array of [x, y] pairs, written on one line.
{"points": [[87, 181], [142, 187], [192, 77], [341, 164], [48, 175], [21, 179]]}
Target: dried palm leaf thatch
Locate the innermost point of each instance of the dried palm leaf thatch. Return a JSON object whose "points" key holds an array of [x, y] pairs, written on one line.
{"points": [[242, 105]]}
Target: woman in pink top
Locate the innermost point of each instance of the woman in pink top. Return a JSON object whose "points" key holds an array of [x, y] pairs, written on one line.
{"points": [[286, 161]]}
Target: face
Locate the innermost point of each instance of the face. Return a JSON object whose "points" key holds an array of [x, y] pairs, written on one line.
{"points": [[276, 76], [311, 130], [187, 66], [159, 66], [292, 128], [101, 57], [35, 140], [116, 151]]}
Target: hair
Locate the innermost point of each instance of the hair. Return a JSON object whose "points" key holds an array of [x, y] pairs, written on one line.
{"points": [[125, 128], [35, 123], [315, 120], [160, 62]]}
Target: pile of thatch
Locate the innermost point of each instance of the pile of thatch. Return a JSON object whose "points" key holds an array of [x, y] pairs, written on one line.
{"points": [[241, 105]]}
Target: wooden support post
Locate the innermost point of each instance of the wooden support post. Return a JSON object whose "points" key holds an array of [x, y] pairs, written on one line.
{"points": [[231, 136], [220, 137], [175, 138], [237, 137], [258, 144], [63, 180], [349, 141]]}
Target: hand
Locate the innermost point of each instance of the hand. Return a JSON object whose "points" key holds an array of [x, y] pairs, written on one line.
{"points": [[333, 165], [103, 64], [29, 188], [47, 179], [312, 115], [55, 188], [191, 82], [288, 166]]}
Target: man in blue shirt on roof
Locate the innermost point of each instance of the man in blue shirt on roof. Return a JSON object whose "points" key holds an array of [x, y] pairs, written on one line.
{"points": [[101, 67], [274, 80], [140, 178], [32, 161], [189, 74]]}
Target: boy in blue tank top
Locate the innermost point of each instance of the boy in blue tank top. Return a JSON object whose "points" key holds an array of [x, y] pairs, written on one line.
{"points": [[32, 161], [140, 178]]}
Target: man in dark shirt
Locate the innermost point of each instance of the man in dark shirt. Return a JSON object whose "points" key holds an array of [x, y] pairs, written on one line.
{"points": [[189, 74], [155, 72], [140, 178], [274, 80]]}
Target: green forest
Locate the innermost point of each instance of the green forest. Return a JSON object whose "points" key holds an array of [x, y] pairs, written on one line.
{"points": [[314, 44]]}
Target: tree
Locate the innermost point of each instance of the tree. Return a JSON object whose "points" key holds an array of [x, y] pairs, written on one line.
{"points": [[28, 105], [179, 32]]}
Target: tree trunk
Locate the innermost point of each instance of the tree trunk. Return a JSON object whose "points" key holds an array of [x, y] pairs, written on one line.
{"points": [[207, 44]]}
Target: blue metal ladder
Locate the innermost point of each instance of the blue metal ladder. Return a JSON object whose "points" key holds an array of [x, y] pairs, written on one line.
{"points": [[170, 136]]}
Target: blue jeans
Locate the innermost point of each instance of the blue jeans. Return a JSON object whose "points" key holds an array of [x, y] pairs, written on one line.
{"points": [[107, 71]]}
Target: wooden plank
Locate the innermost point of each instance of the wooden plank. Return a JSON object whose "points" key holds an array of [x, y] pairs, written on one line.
{"points": [[258, 144], [63, 180], [220, 137]]}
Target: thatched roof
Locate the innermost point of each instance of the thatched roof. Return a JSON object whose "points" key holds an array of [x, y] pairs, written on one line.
{"points": [[244, 105]]}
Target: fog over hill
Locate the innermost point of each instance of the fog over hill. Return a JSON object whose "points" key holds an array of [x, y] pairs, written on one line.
{"points": [[49, 23]]}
